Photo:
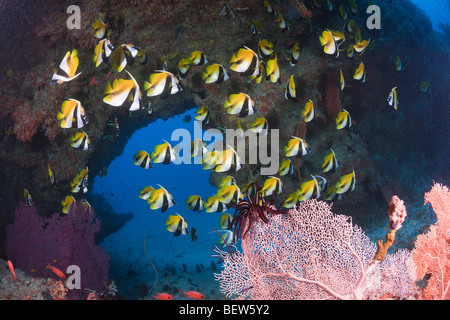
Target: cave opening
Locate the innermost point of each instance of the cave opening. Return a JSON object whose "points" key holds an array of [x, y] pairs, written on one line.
{"points": [[179, 260]]}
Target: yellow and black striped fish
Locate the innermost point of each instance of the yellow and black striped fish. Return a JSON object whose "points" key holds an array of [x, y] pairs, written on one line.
{"points": [[309, 189], [346, 183], [198, 58], [330, 162], [102, 51], [241, 104], [202, 114], [246, 61], [225, 221], [289, 92], [260, 125], [296, 147], [27, 196], [392, 98], [328, 42], [80, 140], [360, 73], [183, 68], [215, 205], [177, 225], [124, 55], [343, 120], [142, 159], [286, 168], [265, 48], [273, 69], [100, 30], [229, 194], [215, 73], [160, 199], [146, 192], [272, 185], [163, 153], [162, 83], [195, 203], [123, 93], [295, 54], [308, 111], [67, 204], [79, 183], [72, 114], [67, 68], [227, 161]]}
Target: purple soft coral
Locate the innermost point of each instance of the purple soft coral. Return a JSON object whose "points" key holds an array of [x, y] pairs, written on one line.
{"points": [[33, 241]]}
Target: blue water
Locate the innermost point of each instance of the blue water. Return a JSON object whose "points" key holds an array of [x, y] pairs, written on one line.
{"points": [[437, 11], [121, 188]]}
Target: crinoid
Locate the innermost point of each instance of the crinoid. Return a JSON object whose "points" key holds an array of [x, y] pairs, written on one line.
{"points": [[250, 210]]}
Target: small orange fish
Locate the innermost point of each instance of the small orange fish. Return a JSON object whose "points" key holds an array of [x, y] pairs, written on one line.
{"points": [[193, 294], [56, 271], [163, 296], [11, 268]]}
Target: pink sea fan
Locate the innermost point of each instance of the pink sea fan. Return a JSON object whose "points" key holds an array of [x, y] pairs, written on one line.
{"points": [[397, 213], [432, 250], [312, 253]]}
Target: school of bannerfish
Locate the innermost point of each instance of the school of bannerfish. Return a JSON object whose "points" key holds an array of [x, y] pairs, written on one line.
{"points": [[258, 65]]}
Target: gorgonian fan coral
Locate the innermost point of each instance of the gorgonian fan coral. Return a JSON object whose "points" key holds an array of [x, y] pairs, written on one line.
{"points": [[251, 210]]}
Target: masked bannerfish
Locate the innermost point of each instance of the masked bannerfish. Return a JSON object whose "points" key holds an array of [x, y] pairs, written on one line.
{"points": [[67, 68], [226, 181], [328, 42], [183, 68], [195, 203], [260, 125], [241, 104], [308, 111], [341, 80], [99, 27], [27, 196], [295, 54], [160, 199], [292, 200], [361, 46], [163, 153], [142, 159], [289, 92], [225, 221], [198, 58], [67, 204], [123, 93], [80, 140], [72, 114], [229, 194], [51, 175], [102, 51], [79, 183], [286, 168], [392, 98], [146, 192], [350, 51], [198, 148], [162, 83], [360, 73], [344, 11], [346, 183], [330, 162], [177, 225], [215, 73], [265, 48], [227, 161], [343, 120], [296, 147], [309, 189], [123, 55], [246, 61], [282, 23], [202, 114], [215, 205], [272, 185], [273, 69]]}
